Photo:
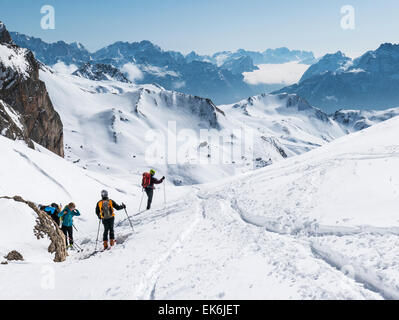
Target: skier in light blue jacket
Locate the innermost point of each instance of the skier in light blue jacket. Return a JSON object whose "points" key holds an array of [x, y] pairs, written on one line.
{"points": [[67, 215]]}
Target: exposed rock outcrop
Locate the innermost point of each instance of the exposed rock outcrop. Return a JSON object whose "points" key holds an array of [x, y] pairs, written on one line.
{"points": [[99, 72], [26, 97], [45, 226], [4, 34], [14, 256]]}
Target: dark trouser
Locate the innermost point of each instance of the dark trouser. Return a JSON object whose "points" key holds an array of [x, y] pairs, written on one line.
{"points": [[109, 228], [68, 234], [150, 194], [56, 219]]}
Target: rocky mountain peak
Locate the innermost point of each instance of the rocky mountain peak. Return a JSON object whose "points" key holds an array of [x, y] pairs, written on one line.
{"points": [[99, 72], [26, 111], [4, 34]]}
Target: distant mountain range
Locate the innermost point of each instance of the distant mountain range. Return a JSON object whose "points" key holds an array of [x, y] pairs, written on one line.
{"points": [[218, 77], [331, 83], [368, 82]]}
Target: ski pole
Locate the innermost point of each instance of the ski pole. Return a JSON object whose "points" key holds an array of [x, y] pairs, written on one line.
{"points": [[164, 194], [78, 247], [141, 202], [75, 228], [129, 219], [98, 232]]}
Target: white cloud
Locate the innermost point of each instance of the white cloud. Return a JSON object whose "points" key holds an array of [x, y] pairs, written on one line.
{"points": [[179, 84], [61, 67], [160, 72], [133, 72], [285, 73]]}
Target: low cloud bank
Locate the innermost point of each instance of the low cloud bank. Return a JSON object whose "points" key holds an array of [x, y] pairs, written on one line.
{"points": [[285, 73]]}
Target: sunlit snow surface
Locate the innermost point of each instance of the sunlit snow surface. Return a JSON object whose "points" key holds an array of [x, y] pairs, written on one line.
{"points": [[322, 225]]}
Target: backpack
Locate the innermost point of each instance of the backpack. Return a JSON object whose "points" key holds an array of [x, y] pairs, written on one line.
{"points": [[106, 209], [146, 180]]}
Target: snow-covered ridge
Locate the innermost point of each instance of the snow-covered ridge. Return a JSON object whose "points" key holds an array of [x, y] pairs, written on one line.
{"points": [[355, 120], [12, 61], [286, 121], [174, 101]]}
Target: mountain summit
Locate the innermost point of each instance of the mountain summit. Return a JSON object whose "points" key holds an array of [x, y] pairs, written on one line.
{"points": [[4, 34]]}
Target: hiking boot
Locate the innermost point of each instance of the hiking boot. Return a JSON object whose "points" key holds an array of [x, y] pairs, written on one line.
{"points": [[112, 242], [105, 245]]}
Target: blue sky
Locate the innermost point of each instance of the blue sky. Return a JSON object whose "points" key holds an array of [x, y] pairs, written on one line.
{"points": [[207, 26]]}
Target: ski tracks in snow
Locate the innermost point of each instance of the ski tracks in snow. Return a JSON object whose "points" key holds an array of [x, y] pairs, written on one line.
{"points": [[295, 226], [146, 289]]}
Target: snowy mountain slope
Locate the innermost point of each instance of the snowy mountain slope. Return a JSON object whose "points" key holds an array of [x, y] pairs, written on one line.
{"points": [[345, 192], [284, 232], [286, 122], [43, 177], [108, 127], [112, 125], [355, 120], [329, 213]]}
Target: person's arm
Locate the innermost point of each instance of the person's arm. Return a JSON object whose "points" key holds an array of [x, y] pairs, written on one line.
{"points": [[50, 210], [98, 210], [156, 181], [76, 212], [117, 206], [62, 213]]}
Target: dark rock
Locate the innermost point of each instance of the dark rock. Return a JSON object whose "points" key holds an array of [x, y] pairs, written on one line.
{"points": [[14, 256], [4, 34]]}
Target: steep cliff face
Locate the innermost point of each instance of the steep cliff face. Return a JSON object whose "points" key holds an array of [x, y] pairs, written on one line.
{"points": [[26, 110], [10, 124]]}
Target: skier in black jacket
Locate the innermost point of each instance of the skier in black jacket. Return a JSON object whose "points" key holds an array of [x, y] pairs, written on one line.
{"points": [[53, 210], [149, 190], [105, 211]]}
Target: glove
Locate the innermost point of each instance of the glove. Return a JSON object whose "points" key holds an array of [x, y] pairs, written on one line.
{"points": [[123, 206], [163, 178]]}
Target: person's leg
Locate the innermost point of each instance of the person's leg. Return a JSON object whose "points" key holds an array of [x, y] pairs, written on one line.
{"points": [[56, 219], [64, 230], [111, 231], [105, 235], [150, 194], [70, 232], [106, 231]]}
